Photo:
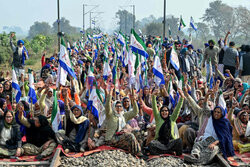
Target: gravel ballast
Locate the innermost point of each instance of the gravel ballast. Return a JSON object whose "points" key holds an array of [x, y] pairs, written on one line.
{"points": [[116, 158]]}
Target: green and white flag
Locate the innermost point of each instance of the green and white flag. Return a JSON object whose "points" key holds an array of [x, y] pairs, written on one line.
{"points": [[55, 115]]}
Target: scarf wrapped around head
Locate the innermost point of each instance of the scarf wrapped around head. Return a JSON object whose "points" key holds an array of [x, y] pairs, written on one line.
{"points": [[239, 126], [165, 129], [2, 101], [8, 125], [223, 130], [122, 122]]}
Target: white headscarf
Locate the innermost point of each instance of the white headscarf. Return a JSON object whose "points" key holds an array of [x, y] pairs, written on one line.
{"points": [[121, 119]]}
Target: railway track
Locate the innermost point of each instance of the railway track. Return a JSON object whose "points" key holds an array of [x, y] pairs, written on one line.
{"points": [[54, 162]]}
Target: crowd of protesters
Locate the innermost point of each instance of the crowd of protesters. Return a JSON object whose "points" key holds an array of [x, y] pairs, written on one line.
{"points": [[207, 114]]}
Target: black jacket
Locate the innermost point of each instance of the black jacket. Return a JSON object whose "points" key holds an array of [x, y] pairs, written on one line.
{"points": [[16, 139]]}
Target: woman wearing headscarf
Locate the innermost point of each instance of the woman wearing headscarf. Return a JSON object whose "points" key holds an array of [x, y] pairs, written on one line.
{"points": [[7, 89], [3, 106], [167, 137], [146, 96], [239, 124], [10, 136], [1, 91], [22, 106], [76, 126], [116, 118], [217, 137], [39, 135]]}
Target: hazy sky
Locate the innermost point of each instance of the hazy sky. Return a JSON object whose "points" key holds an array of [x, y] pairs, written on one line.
{"points": [[24, 13]]}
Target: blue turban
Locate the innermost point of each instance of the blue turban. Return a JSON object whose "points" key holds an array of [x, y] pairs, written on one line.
{"points": [[191, 46], [206, 44], [20, 42], [52, 58], [80, 62]]}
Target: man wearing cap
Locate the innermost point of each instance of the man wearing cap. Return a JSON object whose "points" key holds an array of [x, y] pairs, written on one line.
{"points": [[20, 54]]}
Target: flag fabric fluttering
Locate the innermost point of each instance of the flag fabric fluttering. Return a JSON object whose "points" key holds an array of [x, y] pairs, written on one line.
{"points": [[157, 70], [65, 63], [192, 23], [98, 36], [171, 94], [68, 47], [17, 91], [95, 105], [181, 82], [211, 77], [55, 115], [106, 70], [182, 24], [121, 39], [90, 79], [137, 45], [174, 60], [169, 31], [131, 67], [222, 102], [32, 92]]}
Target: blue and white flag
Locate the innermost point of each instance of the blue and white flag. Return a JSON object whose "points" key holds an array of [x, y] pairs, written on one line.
{"points": [[65, 67], [16, 88], [98, 36], [171, 94], [192, 23], [32, 92], [137, 45], [121, 39], [95, 106], [211, 82], [106, 70], [157, 70], [174, 60]]}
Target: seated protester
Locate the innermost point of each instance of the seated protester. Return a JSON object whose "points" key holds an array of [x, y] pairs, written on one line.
{"points": [[22, 107], [39, 135], [10, 136], [76, 126], [239, 124], [3, 106], [146, 96], [116, 135], [1, 91], [217, 137], [167, 137], [134, 123], [201, 110]]}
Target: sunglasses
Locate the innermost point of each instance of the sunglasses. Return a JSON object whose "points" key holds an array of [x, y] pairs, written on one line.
{"points": [[118, 106]]}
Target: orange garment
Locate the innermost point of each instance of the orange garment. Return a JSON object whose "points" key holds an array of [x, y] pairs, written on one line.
{"points": [[76, 96]]}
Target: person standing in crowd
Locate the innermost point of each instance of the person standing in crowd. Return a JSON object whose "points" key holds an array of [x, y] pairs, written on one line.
{"points": [[210, 54], [231, 57], [245, 65], [20, 54]]}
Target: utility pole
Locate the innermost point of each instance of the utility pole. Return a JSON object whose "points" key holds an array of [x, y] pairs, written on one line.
{"points": [[58, 24], [90, 20], [164, 20], [90, 17], [133, 16], [83, 18]]}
